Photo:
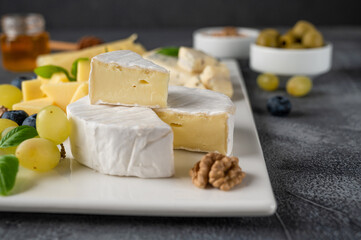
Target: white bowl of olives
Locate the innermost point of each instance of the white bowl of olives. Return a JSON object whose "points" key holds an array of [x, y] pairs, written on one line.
{"points": [[225, 42], [300, 51]]}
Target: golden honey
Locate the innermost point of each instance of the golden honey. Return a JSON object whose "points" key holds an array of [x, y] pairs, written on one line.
{"points": [[22, 41]]}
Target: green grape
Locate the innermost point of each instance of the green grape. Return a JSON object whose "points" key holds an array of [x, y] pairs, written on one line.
{"points": [[6, 130], [268, 81], [299, 86], [9, 95], [38, 154], [9, 150], [52, 124], [5, 123]]}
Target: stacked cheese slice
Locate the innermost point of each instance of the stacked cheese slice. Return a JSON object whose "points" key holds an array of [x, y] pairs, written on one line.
{"points": [[130, 122], [194, 69]]}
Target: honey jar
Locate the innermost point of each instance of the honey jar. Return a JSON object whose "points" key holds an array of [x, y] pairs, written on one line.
{"points": [[22, 40]]}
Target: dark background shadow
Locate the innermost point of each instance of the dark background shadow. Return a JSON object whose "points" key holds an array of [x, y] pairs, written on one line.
{"points": [[69, 14]]}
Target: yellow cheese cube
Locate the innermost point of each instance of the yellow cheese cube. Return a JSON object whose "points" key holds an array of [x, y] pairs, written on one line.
{"points": [[33, 106], [83, 71], [31, 89], [58, 77], [81, 91], [125, 78], [61, 93]]}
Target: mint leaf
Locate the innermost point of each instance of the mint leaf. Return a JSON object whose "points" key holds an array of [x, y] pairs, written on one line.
{"points": [[169, 51], [74, 66], [47, 71], [9, 167], [17, 136]]}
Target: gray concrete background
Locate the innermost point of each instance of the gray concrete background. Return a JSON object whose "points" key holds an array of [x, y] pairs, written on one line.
{"points": [[77, 14], [313, 159], [312, 156]]}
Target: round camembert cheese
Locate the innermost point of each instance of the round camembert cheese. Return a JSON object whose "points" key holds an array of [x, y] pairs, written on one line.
{"points": [[123, 141]]}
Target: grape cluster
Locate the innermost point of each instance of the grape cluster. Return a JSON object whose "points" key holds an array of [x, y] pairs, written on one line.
{"points": [[297, 86], [42, 154]]}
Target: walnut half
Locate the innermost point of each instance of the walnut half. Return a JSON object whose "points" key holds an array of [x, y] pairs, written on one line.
{"points": [[217, 170]]}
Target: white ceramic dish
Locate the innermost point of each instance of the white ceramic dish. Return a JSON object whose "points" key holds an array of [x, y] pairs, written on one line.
{"points": [[224, 47], [73, 188], [286, 62]]}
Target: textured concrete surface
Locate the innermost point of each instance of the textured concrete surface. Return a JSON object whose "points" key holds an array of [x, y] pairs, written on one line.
{"points": [[313, 159]]}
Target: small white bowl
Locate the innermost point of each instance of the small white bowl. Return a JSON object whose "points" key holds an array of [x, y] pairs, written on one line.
{"points": [[224, 46], [287, 62]]}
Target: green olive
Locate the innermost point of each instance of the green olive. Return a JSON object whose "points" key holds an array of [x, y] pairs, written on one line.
{"points": [[295, 46], [286, 40], [270, 31], [267, 40], [301, 27], [312, 39]]}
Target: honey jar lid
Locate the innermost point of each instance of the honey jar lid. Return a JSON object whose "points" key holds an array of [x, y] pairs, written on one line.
{"points": [[22, 24]]}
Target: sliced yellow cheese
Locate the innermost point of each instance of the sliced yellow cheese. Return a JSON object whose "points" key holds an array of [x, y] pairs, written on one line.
{"points": [[66, 59], [61, 93], [125, 78], [80, 92], [33, 106], [83, 71], [31, 89]]}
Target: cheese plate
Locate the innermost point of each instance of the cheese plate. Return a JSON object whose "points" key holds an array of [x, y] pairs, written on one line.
{"points": [[73, 188]]}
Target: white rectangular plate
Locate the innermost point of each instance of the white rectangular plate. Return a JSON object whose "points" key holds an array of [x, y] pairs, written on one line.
{"points": [[73, 188]]}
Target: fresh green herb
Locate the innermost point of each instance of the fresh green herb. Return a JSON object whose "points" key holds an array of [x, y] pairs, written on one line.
{"points": [[17, 136], [47, 71], [9, 167], [106, 49], [169, 51], [74, 66]]}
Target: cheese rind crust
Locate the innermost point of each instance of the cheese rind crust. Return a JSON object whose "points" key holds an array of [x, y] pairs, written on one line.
{"points": [[123, 141], [201, 120], [125, 78]]}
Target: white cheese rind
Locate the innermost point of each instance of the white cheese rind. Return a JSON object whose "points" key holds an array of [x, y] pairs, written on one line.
{"points": [[126, 58], [195, 101], [121, 141]]}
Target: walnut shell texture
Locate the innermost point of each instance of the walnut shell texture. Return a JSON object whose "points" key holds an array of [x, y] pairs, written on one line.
{"points": [[218, 171]]}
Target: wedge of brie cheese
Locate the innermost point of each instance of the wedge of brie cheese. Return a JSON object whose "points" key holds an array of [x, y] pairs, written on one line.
{"points": [[193, 60], [202, 120], [123, 141], [125, 78]]}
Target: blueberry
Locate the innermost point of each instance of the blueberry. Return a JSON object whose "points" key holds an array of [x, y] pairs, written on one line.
{"points": [[30, 121], [279, 106], [17, 81], [17, 116]]}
